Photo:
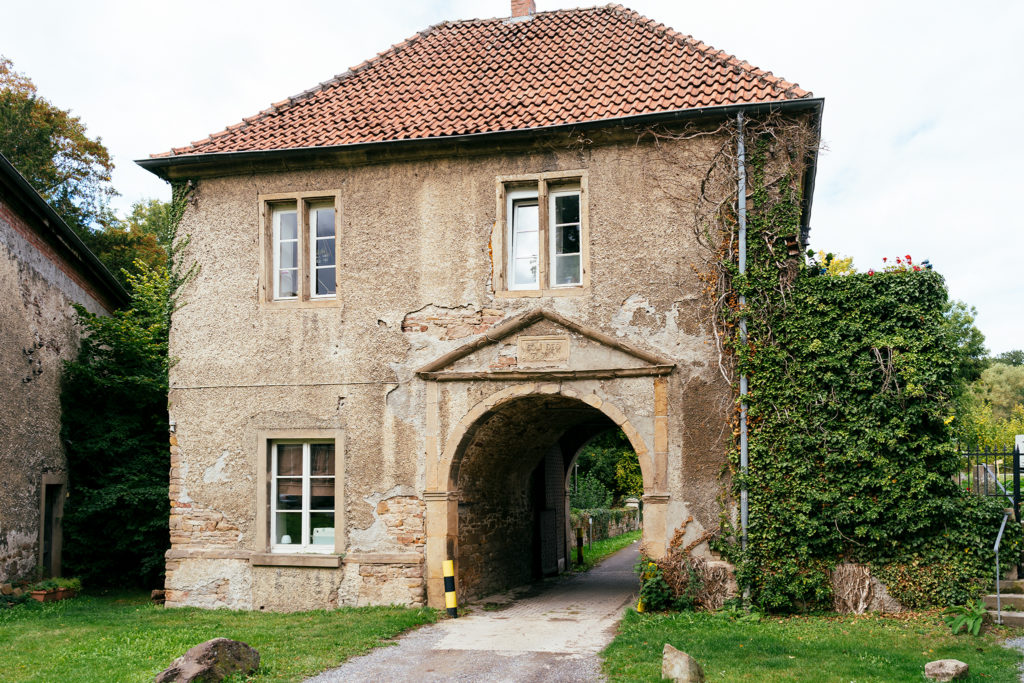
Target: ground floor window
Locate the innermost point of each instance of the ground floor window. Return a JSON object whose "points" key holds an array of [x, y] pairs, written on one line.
{"points": [[302, 496]]}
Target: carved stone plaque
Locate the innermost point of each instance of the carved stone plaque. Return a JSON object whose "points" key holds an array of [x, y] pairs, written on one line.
{"points": [[550, 350]]}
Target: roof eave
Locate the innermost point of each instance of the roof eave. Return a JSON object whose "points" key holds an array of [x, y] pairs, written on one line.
{"points": [[169, 167], [67, 237]]}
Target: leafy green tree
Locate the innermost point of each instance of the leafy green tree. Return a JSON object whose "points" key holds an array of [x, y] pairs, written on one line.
{"points": [[114, 403], [51, 149], [590, 494], [968, 338], [611, 460], [1002, 386], [1014, 357], [629, 478]]}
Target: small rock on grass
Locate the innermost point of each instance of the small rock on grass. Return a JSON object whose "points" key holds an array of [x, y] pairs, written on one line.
{"points": [[213, 660], [679, 666], [945, 670]]}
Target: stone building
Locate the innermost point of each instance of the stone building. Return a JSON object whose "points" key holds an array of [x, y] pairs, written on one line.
{"points": [[425, 284], [44, 268]]}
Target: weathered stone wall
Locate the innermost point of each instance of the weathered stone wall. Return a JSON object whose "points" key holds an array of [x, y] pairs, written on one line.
{"points": [[415, 283], [37, 334]]}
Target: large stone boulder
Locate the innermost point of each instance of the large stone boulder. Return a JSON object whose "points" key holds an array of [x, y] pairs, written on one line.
{"points": [[945, 670], [679, 666], [211, 662]]}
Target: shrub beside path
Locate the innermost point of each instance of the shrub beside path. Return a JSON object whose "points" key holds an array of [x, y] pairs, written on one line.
{"points": [[552, 636]]}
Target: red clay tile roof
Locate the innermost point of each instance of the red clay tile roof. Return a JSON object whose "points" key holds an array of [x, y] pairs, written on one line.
{"points": [[488, 75]]}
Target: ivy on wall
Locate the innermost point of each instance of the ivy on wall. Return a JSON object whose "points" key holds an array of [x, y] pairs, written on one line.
{"points": [[851, 382]]}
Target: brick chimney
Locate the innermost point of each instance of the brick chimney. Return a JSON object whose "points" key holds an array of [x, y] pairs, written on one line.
{"points": [[523, 8]]}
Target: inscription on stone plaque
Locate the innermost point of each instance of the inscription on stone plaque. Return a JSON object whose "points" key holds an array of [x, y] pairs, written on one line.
{"points": [[551, 350]]}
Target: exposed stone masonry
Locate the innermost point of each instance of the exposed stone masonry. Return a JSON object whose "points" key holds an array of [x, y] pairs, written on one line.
{"points": [[192, 526], [451, 323]]}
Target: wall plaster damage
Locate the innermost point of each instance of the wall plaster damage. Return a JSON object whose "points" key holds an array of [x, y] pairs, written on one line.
{"points": [[461, 408]]}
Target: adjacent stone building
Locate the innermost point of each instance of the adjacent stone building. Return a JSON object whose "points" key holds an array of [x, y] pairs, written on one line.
{"points": [[425, 284], [44, 268]]}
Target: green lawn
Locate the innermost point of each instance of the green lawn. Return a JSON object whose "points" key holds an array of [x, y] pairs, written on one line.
{"points": [[110, 639], [603, 549], [821, 648]]}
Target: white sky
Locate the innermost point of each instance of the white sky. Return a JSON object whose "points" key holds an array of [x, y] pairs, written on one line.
{"points": [[921, 101]]}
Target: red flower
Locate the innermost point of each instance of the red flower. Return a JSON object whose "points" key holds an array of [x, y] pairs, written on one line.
{"points": [[908, 258], [885, 259], [871, 272], [917, 267]]}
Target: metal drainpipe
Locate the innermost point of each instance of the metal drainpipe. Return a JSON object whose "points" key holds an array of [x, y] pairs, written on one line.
{"points": [[741, 202]]}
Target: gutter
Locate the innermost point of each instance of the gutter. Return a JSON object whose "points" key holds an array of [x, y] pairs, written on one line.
{"points": [[64, 237]]}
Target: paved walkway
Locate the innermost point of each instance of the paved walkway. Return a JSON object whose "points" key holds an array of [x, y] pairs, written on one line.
{"points": [[552, 636]]}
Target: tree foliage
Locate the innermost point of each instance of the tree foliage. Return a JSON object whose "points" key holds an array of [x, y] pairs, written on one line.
{"points": [[114, 403], [589, 493], [611, 460], [1014, 357], [51, 148]]}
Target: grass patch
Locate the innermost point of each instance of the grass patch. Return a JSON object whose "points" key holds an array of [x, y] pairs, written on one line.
{"points": [[122, 638], [817, 648], [603, 548]]}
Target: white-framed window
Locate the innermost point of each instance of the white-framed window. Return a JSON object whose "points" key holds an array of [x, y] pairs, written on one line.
{"points": [[524, 240], [566, 238], [543, 235], [300, 252], [302, 496], [322, 244], [286, 251]]}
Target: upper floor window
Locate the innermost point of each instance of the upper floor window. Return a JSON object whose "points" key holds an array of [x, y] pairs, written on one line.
{"points": [[543, 235], [302, 241]]}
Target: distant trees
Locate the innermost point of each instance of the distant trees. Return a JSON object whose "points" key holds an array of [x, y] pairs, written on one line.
{"points": [[610, 463], [51, 148]]}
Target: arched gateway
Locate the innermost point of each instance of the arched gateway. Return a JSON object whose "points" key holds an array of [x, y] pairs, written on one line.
{"points": [[501, 438]]}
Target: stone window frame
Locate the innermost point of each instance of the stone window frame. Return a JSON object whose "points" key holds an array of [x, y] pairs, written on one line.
{"points": [[303, 202], [544, 184], [264, 553]]}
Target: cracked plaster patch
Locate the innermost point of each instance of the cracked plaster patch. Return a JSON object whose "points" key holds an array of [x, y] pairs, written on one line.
{"points": [[375, 537], [215, 473]]}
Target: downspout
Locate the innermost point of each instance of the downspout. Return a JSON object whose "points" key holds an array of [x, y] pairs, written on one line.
{"points": [[741, 210]]}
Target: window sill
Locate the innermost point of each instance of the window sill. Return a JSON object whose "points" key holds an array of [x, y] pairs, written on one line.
{"points": [[292, 304], [537, 293], [295, 560]]}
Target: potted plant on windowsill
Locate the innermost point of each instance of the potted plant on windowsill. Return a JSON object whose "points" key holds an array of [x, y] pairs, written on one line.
{"points": [[52, 590]]}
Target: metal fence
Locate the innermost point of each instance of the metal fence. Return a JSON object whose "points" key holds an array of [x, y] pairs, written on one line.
{"points": [[992, 473]]}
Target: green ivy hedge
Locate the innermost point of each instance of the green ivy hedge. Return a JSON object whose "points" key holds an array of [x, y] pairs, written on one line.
{"points": [[852, 384]]}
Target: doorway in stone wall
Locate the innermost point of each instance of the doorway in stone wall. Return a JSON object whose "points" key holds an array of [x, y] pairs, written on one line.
{"points": [[511, 472]]}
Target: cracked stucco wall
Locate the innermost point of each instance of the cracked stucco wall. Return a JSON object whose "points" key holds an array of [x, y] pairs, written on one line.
{"points": [[415, 283]]}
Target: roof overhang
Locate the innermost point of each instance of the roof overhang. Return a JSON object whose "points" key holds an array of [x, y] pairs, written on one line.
{"points": [[58, 234], [229, 163]]}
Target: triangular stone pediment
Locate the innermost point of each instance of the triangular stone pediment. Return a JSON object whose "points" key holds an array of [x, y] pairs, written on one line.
{"points": [[542, 344]]}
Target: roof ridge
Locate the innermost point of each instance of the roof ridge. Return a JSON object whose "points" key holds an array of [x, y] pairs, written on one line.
{"points": [[707, 50], [682, 72]]}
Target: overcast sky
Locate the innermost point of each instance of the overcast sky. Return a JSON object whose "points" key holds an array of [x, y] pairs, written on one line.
{"points": [[922, 102]]}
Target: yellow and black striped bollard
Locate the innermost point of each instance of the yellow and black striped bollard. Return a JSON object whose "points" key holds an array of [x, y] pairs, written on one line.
{"points": [[449, 588]]}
